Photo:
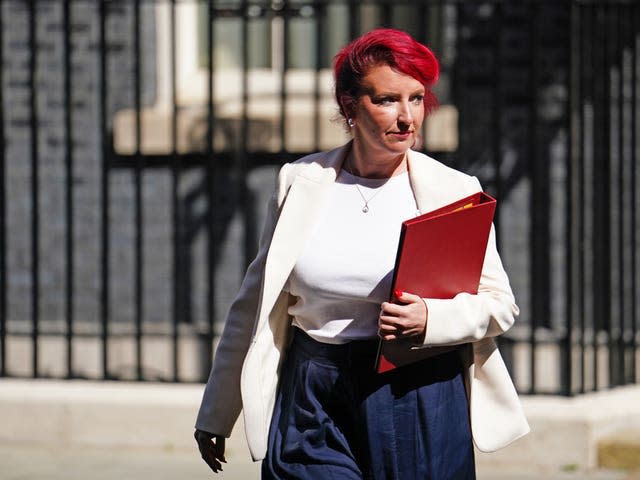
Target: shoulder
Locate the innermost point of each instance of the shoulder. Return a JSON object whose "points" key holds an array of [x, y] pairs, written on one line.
{"points": [[314, 167], [305, 165]]}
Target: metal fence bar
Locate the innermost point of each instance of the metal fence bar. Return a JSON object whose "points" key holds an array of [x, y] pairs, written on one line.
{"points": [[283, 93], [629, 100], [538, 278], [635, 78], [319, 43], [3, 216], [595, 192], [620, 366], [210, 182], [496, 123], [240, 159], [176, 173], [69, 205], [138, 191], [588, 153], [354, 18], [604, 228], [105, 246], [578, 245], [614, 213], [35, 191], [571, 202], [627, 179]]}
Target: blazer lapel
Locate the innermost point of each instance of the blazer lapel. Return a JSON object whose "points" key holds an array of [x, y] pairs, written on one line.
{"points": [[299, 213], [431, 190]]}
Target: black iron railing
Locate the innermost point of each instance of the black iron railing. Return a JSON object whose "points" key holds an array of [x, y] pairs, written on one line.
{"points": [[138, 142]]}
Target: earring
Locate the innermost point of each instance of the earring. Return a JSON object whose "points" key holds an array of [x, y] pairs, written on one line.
{"points": [[350, 122]]}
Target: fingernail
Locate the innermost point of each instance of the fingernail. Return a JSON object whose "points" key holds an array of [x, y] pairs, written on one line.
{"points": [[398, 293]]}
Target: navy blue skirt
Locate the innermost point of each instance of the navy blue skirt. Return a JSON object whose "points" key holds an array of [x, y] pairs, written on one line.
{"points": [[336, 418]]}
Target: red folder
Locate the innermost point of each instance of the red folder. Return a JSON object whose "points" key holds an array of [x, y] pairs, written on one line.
{"points": [[440, 254]]}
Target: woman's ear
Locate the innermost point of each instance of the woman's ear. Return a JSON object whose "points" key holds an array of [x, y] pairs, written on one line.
{"points": [[346, 106]]}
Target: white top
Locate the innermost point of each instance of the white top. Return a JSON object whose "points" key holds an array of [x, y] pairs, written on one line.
{"points": [[345, 270]]}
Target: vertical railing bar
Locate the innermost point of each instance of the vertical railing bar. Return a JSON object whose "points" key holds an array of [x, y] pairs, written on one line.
{"points": [[533, 205], [386, 14], [580, 173], [35, 197], [614, 167], [138, 201], [176, 171], [496, 118], [283, 94], [593, 190], [422, 16], [3, 218], [104, 195], [570, 201], [606, 227], [619, 21], [634, 182], [240, 166], [629, 40], [601, 188], [321, 20], [69, 205], [210, 182], [354, 18], [244, 62]]}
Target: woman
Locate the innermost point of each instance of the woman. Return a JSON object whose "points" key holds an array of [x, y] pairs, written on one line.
{"points": [[300, 339]]}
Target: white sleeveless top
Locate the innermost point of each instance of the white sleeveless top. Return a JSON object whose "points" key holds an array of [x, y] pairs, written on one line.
{"points": [[345, 270]]}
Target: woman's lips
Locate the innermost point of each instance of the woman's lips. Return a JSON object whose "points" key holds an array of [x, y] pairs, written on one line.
{"points": [[401, 135]]}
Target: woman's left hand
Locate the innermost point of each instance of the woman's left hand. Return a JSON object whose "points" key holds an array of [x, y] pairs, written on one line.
{"points": [[407, 318]]}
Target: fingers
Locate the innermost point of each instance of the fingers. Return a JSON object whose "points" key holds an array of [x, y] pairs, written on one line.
{"points": [[405, 297], [405, 319], [398, 330], [211, 449]]}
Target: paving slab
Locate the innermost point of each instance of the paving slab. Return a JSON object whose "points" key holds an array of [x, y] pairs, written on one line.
{"points": [[620, 450], [23, 462], [104, 430]]}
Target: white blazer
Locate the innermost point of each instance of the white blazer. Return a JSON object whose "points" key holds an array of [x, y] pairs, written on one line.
{"points": [[256, 335]]}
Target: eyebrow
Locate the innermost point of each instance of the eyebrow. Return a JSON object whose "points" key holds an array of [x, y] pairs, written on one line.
{"points": [[370, 92]]}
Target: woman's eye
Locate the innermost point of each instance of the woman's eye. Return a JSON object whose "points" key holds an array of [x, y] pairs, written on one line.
{"points": [[383, 101], [418, 99]]}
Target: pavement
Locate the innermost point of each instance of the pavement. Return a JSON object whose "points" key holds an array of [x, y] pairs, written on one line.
{"points": [[71, 430], [39, 463]]}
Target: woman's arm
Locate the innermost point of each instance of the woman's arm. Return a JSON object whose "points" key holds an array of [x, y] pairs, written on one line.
{"points": [[466, 317]]}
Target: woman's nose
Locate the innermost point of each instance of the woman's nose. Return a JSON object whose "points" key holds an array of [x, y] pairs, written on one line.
{"points": [[405, 115]]}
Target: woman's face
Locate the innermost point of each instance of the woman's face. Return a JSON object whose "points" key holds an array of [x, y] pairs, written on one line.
{"points": [[389, 113]]}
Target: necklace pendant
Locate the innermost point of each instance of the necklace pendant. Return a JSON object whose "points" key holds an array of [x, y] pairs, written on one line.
{"points": [[365, 209]]}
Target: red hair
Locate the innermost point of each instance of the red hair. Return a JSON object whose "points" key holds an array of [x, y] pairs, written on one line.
{"points": [[383, 46]]}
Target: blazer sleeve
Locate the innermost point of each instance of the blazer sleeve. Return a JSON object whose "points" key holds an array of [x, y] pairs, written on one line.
{"points": [[222, 402], [467, 317]]}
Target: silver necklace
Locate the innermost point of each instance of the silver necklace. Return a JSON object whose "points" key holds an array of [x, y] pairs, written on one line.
{"points": [[366, 200]]}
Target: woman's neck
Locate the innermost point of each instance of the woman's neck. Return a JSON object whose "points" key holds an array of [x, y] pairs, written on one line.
{"points": [[363, 163]]}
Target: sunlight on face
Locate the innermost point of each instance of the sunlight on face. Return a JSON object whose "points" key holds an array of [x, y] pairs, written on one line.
{"points": [[389, 113]]}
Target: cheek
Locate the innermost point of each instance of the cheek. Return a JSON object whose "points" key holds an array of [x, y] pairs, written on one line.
{"points": [[383, 120], [418, 114]]}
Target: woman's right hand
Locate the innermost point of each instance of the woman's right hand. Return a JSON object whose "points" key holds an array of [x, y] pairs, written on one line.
{"points": [[211, 448]]}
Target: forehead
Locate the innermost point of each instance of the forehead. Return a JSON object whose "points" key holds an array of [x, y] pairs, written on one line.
{"points": [[383, 78]]}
